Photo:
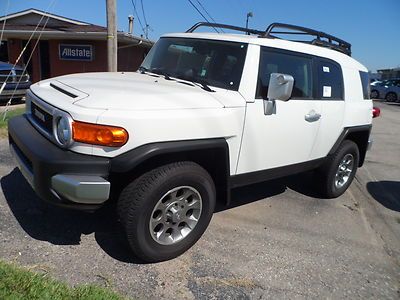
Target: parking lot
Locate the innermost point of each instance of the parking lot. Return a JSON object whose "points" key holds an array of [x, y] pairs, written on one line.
{"points": [[277, 240]]}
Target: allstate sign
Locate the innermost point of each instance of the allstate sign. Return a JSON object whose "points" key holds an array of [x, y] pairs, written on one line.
{"points": [[76, 52]]}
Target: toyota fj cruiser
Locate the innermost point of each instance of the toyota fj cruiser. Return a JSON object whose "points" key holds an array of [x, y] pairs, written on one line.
{"points": [[204, 113]]}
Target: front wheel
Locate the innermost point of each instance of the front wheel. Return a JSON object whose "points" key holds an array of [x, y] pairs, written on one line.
{"points": [[166, 210], [339, 170]]}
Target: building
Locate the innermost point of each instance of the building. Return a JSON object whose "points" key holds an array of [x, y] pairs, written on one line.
{"points": [[64, 46], [389, 73]]}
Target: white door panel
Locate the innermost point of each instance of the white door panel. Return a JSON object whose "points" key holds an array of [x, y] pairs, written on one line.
{"points": [[330, 128], [281, 139]]}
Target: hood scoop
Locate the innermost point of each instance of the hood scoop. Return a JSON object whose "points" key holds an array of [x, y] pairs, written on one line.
{"points": [[60, 89], [67, 90]]}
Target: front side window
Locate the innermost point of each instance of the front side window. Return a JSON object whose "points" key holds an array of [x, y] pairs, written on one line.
{"points": [[297, 66], [365, 84], [216, 63]]}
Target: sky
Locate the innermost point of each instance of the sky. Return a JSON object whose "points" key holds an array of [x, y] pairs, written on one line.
{"points": [[371, 26]]}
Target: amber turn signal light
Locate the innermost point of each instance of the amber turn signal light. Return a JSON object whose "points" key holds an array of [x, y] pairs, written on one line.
{"points": [[103, 135]]}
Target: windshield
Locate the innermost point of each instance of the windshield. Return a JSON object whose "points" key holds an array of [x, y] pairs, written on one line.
{"points": [[215, 63]]}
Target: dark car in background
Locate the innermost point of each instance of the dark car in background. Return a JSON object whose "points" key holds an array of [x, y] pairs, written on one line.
{"points": [[17, 83]]}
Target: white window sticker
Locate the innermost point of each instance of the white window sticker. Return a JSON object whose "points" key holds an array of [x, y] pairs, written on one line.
{"points": [[325, 69], [327, 91]]}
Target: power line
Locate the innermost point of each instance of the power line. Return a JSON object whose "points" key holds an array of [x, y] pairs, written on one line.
{"points": [[137, 15], [147, 26], [205, 10], [195, 7], [23, 50], [30, 56], [144, 16]]}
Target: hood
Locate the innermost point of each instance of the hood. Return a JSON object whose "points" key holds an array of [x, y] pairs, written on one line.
{"points": [[134, 91]]}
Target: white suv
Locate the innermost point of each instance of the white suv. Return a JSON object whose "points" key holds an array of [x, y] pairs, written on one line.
{"points": [[204, 114]]}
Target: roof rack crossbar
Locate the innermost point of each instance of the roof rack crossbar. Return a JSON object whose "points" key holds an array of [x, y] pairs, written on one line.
{"points": [[341, 45], [224, 26]]}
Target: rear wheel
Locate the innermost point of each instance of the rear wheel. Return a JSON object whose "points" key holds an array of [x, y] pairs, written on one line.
{"points": [[339, 170], [391, 97], [165, 211]]}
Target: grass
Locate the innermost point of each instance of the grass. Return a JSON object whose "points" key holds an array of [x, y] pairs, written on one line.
{"points": [[17, 283], [11, 113]]}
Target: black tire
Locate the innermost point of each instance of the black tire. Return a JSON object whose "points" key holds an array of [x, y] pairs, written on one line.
{"points": [[138, 200], [391, 97], [329, 170], [374, 94]]}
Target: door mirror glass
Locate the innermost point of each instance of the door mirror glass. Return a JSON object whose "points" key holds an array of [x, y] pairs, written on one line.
{"points": [[280, 87]]}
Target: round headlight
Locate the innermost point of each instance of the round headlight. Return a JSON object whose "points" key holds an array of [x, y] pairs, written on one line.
{"points": [[63, 131]]}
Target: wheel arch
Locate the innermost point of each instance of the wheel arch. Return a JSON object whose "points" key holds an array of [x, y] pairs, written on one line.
{"points": [[211, 154], [357, 134]]}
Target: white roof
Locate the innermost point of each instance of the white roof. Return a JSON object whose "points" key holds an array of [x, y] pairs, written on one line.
{"points": [[337, 56]]}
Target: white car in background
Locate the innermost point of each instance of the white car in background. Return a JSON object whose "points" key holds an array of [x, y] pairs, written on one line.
{"points": [[386, 89]]}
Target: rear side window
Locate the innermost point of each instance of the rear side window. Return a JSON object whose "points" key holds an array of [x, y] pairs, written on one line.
{"points": [[330, 80], [296, 65], [365, 84]]}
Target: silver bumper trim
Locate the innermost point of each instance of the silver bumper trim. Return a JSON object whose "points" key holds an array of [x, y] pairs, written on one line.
{"points": [[84, 189], [370, 142], [25, 170]]}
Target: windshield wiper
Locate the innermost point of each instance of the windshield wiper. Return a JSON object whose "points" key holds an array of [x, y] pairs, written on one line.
{"points": [[162, 73], [143, 70], [204, 84]]}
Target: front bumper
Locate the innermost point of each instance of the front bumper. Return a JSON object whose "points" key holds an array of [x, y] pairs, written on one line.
{"points": [[58, 176]]}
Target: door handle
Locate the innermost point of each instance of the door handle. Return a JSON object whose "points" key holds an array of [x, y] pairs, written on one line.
{"points": [[312, 116]]}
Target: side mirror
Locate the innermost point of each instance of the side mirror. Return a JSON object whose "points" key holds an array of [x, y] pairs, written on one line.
{"points": [[280, 87]]}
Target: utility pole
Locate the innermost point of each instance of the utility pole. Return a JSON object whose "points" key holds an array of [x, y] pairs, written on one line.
{"points": [[112, 40]]}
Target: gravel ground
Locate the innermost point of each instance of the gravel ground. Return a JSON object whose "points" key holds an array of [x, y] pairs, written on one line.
{"points": [[277, 240]]}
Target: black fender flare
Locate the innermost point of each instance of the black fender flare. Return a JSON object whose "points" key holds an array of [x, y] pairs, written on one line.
{"points": [[212, 154], [359, 135]]}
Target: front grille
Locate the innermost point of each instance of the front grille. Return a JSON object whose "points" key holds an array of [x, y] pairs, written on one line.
{"points": [[42, 118], [16, 77]]}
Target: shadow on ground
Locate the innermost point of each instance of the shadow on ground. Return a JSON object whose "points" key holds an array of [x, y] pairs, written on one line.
{"points": [[386, 193], [62, 226], [65, 227]]}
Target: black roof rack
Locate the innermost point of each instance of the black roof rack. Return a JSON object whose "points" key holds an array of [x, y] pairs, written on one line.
{"points": [[224, 26], [320, 38]]}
